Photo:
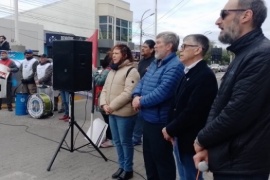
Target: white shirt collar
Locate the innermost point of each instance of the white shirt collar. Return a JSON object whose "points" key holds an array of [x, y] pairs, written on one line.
{"points": [[187, 68]]}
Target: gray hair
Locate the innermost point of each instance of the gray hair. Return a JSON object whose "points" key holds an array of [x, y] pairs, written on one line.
{"points": [[200, 40], [258, 8], [170, 37]]}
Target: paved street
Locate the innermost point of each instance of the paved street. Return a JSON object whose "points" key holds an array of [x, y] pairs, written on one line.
{"points": [[28, 145]]}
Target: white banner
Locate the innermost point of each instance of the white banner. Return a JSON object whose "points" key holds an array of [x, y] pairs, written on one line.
{"points": [[3, 80]]}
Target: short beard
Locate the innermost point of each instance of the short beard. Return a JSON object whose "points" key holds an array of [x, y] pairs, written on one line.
{"points": [[233, 33], [160, 55], [156, 56]]}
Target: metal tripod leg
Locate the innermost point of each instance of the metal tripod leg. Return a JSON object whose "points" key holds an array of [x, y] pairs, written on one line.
{"points": [[58, 148], [71, 127], [91, 142]]}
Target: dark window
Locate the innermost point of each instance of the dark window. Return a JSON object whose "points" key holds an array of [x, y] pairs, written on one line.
{"points": [[103, 19], [130, 35], [118, 22], [124, 34], [110, 32], [124, 23], [117, 33], [103, 31], [110, 19]]}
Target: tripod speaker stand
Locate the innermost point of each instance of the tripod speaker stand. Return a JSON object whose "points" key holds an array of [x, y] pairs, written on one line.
{"points": [[71, 128]]}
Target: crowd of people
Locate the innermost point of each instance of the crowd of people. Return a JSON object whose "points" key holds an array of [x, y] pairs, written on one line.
{"points": [[182, 110], [172, 105], [36, 72]]}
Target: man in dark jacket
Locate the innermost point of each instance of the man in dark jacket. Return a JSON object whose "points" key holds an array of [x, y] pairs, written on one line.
{"points": [[4, 45], [235, 140], [153, 96], [192, 102], [148, 54], [12, 68]]}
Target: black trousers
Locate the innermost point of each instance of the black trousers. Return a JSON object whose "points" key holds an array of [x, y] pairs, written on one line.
{"points": [[157, 153], [9, 95]]}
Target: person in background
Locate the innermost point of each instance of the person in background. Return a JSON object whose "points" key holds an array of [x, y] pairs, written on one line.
{"points": [[12, 68], [148, 54], [65, 101], [43, 75], [100, 78], [28, 70], [235, 139], [57, 94], [4, 45], [192, 102], [153, 96], [115, 99]]}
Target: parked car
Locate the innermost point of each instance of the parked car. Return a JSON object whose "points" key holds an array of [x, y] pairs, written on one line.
{"points": [[215, 67], [224, 68]]}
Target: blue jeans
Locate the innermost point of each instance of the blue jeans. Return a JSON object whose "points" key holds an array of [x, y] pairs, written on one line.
{"points": [[138, 130], [185, 164], [122, 129], [65, 101]]}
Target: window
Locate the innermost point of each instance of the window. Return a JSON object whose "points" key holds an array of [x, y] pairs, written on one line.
{"points": [[110, 20], [130, 35], [103, 30], [124, 23], [118, 33], [103, 19], [123, 29], [118, 22], [124, 34], [110, 36]]}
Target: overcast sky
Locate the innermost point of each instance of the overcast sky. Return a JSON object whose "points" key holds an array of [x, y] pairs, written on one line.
{"points": [[181, 16]]}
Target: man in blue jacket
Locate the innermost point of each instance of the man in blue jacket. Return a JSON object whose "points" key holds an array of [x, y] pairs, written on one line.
{"points": [[153, 96]]}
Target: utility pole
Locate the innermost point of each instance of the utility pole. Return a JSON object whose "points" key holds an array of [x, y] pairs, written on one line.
{"points": [[141, 29], [17, 46], [114, 24], [155, 18], [16, 22]]}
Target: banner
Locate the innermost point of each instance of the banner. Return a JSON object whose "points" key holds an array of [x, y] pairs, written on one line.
{"points": [[3, 80], [94, 40], [17, 57]]}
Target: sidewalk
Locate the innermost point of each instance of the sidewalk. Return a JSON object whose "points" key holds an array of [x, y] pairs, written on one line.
{"points": [[28, 145]]}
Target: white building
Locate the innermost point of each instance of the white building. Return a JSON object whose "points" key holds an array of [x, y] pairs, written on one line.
{"points": [[72, 19]]}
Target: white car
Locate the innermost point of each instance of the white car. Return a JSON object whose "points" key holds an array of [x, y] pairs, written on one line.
{"points": [[215, 67]]}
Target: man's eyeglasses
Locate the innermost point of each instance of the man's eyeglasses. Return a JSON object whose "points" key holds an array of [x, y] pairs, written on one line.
{"points": [[225, 12], [183, 46]]}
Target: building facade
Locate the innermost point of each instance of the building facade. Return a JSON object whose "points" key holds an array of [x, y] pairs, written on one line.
{"points": [[73, 19]]}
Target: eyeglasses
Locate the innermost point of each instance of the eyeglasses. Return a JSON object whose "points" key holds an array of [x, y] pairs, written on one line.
{"points": [[225, 12], [183, 46]]}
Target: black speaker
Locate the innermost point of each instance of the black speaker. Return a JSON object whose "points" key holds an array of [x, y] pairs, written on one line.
{"points": [[72, 65]]}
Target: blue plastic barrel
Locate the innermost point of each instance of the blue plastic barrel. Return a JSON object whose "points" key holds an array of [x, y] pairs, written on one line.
{"points": [[21, 104]]}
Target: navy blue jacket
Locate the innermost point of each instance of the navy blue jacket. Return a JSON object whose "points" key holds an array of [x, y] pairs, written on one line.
{"points": [[237, 132], [157, 88], [192, 103]]}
